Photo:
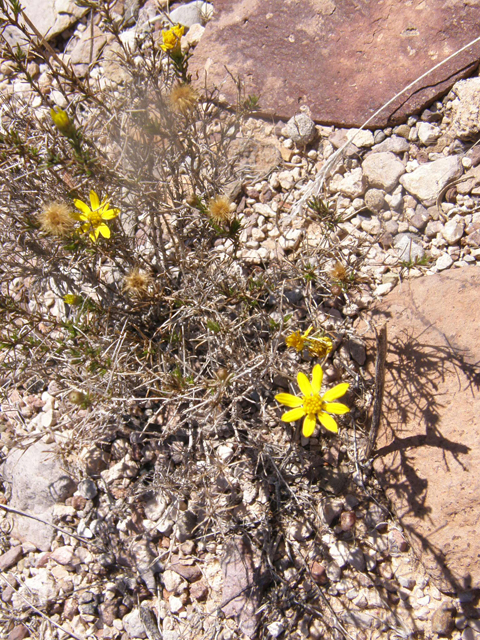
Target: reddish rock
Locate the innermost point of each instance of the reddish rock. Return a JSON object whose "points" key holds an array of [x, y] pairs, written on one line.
{"points": [[199, 590], [18, 633], [188, 572], [10, 558], [342, 59], [427, 450], [318, 572]]}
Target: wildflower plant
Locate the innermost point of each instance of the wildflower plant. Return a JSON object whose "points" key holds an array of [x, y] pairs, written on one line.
{"points": [[311, 405], [319, 346]]}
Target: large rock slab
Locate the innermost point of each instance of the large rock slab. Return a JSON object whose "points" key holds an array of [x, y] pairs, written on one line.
{"points": [[428, 445], [37, 481], [340, 58]]}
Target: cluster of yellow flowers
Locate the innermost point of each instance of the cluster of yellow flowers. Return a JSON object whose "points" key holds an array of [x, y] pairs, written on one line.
{"points": [[58, 219], [172, 38], [318, 346]]}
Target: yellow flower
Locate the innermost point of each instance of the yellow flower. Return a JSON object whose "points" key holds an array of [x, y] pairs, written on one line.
{"points": [[62, 122], [171, 38], [57, 219], [72, 299], [320, 347], [94, 216], [219, 209], [183, 98], [312, 405], [297, 340]]}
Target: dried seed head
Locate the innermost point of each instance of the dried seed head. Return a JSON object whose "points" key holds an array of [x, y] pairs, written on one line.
{"points": [[77, 397], [183, 98], [219, 209], [57, 219], [338, 272], [137, 282], [222, 374]]}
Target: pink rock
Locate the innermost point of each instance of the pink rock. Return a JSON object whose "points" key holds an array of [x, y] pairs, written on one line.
{"points": [[427, 452], [10, 558], [336, 57]]}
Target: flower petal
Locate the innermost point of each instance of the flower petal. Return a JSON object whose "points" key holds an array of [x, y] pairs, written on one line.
{"points": [[104, 230], [336, 407], [309, 425], [108, 214], [294, 414], [84, 208], [317, 377], [328, 422], [94, 201], [336, 392], [307, 331], [289, 400], [304, 384]]}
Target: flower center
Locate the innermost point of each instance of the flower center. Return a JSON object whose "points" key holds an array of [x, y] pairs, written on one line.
{"points": [[312, 404], [95, 218]]}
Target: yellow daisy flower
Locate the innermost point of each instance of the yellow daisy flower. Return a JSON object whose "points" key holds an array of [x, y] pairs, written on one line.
{"points": [[171, 37], [312, 405], [94, 216], [297, 340]]}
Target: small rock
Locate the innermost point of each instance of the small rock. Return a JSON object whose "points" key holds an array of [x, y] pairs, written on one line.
{"points": [[176, 604], [352, 184], [408, 248], [383, 170], [396, 542], [357, 351], [347, 520], [318, 572], [185, 525], [133, 625], [444, 261], [330, 509], [126, 468], [173, 582], [301, 129], [428, 133], [275, 629], [403, 130], [225, 452], [199, 590], [188, 572], [191, 13], [65, 556], [10, 558], [427, 181], [442, 620], [194, 34], [453, 231], [87, 489], [466, 112], [19, 632], [375, 200], [395, 144], [362, 138], [433, 227]]}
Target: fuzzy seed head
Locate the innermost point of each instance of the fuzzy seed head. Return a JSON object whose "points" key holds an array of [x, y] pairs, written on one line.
{"points": [[219, 209], [183, 99], [137, 282], [338, 272], [56, 219]]}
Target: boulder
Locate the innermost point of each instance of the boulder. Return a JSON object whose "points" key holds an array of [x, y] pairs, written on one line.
{"points": [[336, 56], [427, 454]]}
